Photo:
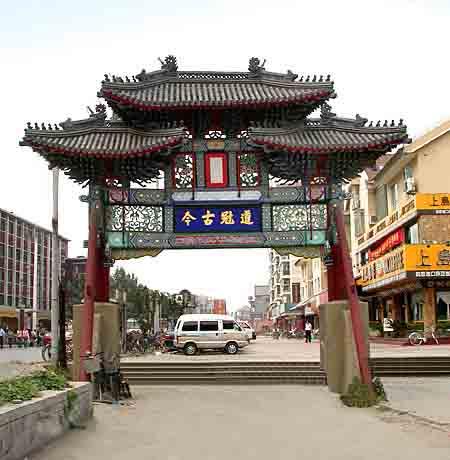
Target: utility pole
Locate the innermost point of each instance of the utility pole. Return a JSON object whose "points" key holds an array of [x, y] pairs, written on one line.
{"points": [[156, 316], [55, 270]]}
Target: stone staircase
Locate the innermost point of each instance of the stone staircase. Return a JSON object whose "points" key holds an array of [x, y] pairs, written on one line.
{"points": [[225, 372], [422, 366]]}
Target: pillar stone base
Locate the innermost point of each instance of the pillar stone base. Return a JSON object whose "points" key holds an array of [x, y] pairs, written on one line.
{"points": [[338, 355], [106, 332]]}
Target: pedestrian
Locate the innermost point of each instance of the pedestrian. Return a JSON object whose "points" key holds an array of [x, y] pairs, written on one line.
{"points": [[2, 336], [308, 331]]}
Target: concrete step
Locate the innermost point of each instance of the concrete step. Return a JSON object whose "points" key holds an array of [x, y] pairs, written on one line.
{"points": [[410, 373], [304, 380], [217, 368], [218, 363], [239, 373]]}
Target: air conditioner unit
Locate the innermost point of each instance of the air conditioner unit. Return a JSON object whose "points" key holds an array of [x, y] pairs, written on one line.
{"points": [[373, 220], [410, 186]]}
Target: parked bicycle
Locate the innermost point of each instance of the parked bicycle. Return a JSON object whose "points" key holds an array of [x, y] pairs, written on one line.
{"points": [[417, 338], [108, 382], [46, 350]]}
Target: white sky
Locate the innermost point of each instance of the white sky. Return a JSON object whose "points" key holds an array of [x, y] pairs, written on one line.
{"points": [[389, 59]]}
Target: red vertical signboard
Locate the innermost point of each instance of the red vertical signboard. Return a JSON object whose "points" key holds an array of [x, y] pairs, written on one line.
{"points": [[219, 307]]}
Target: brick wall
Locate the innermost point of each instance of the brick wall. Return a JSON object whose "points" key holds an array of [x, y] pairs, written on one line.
{"points": [[434, 228]]}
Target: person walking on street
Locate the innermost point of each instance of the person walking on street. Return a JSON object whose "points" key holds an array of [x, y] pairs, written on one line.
{"points": [[308, 331], [2, 336]]}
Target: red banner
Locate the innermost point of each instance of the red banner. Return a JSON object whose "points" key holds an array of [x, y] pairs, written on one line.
{"points": [[390, 242], [219, 307]]}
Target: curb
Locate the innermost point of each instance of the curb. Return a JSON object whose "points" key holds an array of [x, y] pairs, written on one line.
{"points": [[443, 426]]}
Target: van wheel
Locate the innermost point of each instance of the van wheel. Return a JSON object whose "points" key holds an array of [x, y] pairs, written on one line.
{"points": [[231, 348], [190, 349]]}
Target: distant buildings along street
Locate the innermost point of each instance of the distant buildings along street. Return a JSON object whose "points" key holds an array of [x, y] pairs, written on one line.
{"points": [[25, 271]]}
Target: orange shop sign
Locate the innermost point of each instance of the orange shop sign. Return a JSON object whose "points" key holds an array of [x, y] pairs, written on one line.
{"points": [[427, 257], [390, 242], [433, 203]]}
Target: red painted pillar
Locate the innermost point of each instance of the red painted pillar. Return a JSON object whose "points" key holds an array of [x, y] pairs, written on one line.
{"points": [[335, 276], [343, 271], [102, 276], [89, 295]]}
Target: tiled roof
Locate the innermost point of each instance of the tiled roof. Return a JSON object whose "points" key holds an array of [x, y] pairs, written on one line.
{"points": [[162, 90], [318, 136], [102, 141]]}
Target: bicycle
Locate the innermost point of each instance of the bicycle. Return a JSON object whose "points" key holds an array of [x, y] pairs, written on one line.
{"points": [[416, 338], [106, 377], [46, 351]]}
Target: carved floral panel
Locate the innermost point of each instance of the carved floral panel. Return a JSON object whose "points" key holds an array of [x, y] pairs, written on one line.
{"points": [[248, 174], [299, 217], [135, 218], [184, 170]]}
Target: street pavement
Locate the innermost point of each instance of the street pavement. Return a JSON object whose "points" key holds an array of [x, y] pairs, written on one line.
{"points": [[246, 422], [14, 361], [267, 349], [426, 397], [24, 355]]}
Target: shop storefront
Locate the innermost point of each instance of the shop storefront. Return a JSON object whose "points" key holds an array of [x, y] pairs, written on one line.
{"points": [[409, 285]]}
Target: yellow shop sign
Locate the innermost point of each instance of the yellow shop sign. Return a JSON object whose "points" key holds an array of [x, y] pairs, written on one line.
{"points": [[427, 257], [434, 203]]}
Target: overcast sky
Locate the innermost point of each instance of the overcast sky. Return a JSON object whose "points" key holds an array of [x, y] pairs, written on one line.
{"points": [[389, 59]]}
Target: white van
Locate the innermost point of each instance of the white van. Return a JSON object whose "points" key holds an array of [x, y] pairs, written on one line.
{"points": [[251, 334], [202, 331]]}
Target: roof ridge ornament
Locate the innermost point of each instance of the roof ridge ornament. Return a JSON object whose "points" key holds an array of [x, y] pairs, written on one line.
{"points": [[325, 112], [254, 65], [169, 64]]}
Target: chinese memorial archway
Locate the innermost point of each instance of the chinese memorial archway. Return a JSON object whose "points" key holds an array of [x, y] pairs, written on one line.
{"points": [[243, 161]]}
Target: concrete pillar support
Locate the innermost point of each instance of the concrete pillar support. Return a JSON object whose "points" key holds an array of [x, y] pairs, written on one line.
{"points": [[338, 353]]}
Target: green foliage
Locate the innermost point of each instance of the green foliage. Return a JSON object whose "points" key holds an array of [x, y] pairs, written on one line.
{"points": [[18, 389], [376, 326], [443, 327], [361, 395], [141, 301], [50, 379], [28, 387], [379, 390], [415, 327], [400, 328]]}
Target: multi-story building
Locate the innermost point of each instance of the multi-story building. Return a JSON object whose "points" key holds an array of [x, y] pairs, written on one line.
{"points": [[25, 271], [400, 232], [261, 301], [284, 284], [313, 291]]}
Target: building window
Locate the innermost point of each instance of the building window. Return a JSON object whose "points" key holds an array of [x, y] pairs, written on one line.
{"points": [[296, 293], [286, 269], [286, 285], [443, 305], [393, 191], [412, 234], [381, 202]]}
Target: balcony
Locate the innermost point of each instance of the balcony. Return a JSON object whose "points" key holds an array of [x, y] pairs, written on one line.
{"points": [[408, 263], [421, 203]]}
